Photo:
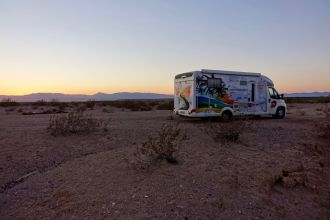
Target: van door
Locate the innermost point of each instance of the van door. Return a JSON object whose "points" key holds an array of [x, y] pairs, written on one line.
{"points": [[272, 100], [252, 98]]}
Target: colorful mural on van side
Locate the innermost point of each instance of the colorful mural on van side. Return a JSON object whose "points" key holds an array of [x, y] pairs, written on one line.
{"points": [[211, 94]]}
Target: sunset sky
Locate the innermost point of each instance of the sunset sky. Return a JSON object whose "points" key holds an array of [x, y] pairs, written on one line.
{"points": [[77, 46]]}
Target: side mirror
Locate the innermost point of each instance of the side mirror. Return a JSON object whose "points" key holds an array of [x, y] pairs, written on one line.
{"points": [[282, 96]]}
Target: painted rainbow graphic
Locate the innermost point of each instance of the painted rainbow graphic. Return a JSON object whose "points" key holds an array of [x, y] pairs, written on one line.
{"points": [[205, 102]]}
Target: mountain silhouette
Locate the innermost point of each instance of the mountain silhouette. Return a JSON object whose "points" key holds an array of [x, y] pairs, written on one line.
{"points": [[79, 97]]}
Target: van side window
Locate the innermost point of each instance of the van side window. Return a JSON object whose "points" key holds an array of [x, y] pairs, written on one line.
{"points": [[252, 92], [243, 83], [215, 83]]}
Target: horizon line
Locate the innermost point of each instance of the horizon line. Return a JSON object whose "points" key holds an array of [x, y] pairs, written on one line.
{"points": [[132, 93]]}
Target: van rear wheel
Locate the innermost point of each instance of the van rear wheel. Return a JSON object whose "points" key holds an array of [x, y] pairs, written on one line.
{"points": [[280, 112], [226, 116]]}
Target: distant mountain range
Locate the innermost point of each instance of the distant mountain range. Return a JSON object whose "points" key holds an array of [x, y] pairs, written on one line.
{"points": [[307, 94], [117, 96], [97, 97]]}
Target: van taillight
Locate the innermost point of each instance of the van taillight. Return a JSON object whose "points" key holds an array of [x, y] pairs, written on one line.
{"points": [[273, 104], [192, 110]]}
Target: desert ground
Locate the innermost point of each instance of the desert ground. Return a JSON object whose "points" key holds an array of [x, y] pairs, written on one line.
{"points": [[277, 169]]}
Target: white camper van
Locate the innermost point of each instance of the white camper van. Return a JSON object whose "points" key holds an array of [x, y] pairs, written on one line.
{"points": [[209, 93]]}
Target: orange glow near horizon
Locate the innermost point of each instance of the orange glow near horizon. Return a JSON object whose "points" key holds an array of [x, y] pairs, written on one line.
{"points": [[19, 89], [28, 84]]}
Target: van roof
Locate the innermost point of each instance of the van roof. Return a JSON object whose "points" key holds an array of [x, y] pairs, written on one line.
{"points": [[230, 72]]}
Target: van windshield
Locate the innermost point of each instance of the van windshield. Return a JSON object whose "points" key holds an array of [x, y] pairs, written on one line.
{"points": [[273, 93]]}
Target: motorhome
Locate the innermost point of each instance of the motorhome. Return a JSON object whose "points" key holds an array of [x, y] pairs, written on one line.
{"points": [[208, 93]]}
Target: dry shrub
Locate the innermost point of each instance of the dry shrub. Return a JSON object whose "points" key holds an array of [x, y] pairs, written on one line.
{"points": [[324, 126], [292, 177], [81, 108], [75, 123], [90, 104], [301, 113], [228, 132], [299, 176], [162, 146], [133, 105], [8, 110], [105, 110], [8, 103], [166, 106]]}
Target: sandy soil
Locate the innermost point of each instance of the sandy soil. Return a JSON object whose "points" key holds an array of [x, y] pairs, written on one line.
{"points": [[279, 169]]}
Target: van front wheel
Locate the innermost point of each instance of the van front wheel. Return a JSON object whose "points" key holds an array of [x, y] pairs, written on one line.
{"points": [[280, 112]]}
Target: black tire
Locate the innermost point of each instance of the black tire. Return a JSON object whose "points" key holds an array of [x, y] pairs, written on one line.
{"points": [[226, 116], [280, 113]]}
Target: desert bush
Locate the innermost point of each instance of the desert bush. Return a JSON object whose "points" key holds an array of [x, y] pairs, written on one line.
{"points": [[132, 105], [8, 103], [325, 99], [301, 113], [154, 103], [324, 126], [145, 108], [74, 104], [8, 110], [81, 108], [162, 146], [289, 178], [62, 107], [105, 110], [228, 132], [90, 104], [75, 123], [166, 106], [39, 103]]}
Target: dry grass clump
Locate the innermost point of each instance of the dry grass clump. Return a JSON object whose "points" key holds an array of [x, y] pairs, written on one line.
{"points": [[228, 132], [75, 123], [90, 104], [8, 103], [301, 113], [308, 177], [166, 106], [133, 105], [291, 178], [162, 146], [324, 126], [105, 110]]}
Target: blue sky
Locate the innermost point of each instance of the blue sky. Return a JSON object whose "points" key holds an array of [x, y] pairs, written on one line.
{"points": [[138, 46]]}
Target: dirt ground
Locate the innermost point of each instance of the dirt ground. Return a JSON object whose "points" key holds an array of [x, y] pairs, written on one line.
{"points": [[279, 169]]}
